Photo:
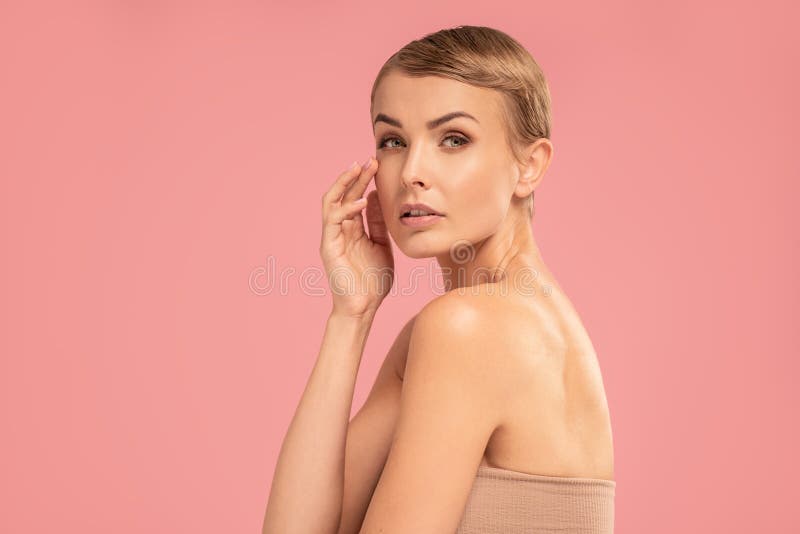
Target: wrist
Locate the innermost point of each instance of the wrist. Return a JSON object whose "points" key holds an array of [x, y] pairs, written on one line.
{"points": [[365, 316], [350, 328], [354, 318]]}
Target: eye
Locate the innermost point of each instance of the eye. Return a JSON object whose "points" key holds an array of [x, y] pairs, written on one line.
{"points": [[383, 141], [462, 140]]}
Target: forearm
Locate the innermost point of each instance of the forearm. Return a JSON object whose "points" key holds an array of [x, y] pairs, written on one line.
{"points": [[307, 487]]}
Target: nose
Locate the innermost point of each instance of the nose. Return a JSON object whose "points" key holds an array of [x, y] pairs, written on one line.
{"points": [[412, 183], [412, 175]]}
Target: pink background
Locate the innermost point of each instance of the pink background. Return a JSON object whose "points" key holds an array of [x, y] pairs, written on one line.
{"points": [[154, 155]]}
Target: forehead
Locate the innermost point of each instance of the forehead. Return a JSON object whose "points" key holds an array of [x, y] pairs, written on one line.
{"points": [[415, 100]]}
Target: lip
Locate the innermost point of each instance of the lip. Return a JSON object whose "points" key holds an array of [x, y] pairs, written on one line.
{"points": [[417, 206], [420, 221]]}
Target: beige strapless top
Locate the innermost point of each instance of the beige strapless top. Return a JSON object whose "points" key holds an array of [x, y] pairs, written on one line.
{"points": [[512, 502]]}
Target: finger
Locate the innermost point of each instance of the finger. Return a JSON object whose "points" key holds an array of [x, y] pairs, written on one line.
{"points": [[334, 226], [358, 187], [334, 194], [353, 228], [375, 221], [346, 211], [353, 225]]}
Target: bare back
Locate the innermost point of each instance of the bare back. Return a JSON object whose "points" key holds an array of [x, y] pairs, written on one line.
{"points": [[560, 424]]}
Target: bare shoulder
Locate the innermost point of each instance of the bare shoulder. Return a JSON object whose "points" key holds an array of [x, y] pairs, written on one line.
{"points": [[467, 314], [529, 367], [457, 317], [483, 312], [451, 403], [478, 323], [479, 301]]}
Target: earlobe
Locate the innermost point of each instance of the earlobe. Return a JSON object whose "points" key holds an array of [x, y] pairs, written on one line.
{"points": [[525, 187]]}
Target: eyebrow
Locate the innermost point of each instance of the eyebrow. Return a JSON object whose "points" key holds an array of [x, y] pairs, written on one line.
{"points": [[430, 124]]}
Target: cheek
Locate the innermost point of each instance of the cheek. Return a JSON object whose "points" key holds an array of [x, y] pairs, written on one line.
{"points": [[479, 198], [386, 189], [475, 189], [380, 183], [384, 199]]}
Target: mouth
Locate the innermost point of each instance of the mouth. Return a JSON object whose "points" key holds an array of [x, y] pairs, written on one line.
{"points": [[419, 213], [418, 210], [419, 221]]}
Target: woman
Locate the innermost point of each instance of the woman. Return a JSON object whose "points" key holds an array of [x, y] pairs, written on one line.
{"points": [[489, 412]]}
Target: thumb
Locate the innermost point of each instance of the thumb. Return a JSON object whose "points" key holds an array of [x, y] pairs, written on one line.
{"points": [[375, 221]]}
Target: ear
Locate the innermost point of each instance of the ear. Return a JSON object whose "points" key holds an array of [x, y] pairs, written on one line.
{"points": [[537, 159]]}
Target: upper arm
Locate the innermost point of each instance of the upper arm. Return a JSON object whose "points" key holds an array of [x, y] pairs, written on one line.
{"points": [[449, 407], [369, 435]]}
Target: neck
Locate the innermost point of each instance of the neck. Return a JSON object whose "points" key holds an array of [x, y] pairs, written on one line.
{"points": [[494, 259]]}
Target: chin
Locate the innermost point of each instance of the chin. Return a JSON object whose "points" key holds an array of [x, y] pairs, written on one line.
{"points": [[418, 245]]}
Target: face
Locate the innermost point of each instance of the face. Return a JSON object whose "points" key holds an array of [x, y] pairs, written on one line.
{"points": [[462, 168]]}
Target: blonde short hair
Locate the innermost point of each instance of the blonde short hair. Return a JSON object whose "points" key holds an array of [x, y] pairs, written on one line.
{"points": [[489, 58]]}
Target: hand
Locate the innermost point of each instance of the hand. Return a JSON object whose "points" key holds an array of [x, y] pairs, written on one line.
{"points": [[360, 268]]}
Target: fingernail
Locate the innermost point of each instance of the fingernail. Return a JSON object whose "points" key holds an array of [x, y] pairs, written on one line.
{"points": [[366, 163], [360, 200], [354, 166]]}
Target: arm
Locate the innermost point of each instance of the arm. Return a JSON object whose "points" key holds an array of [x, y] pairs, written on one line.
{"points": [[307, 487], [451, 403], [306, 492], [369, 435]]}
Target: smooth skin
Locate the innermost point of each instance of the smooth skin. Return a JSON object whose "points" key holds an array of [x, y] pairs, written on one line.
{"points": [[308, 485], [480, 376]]}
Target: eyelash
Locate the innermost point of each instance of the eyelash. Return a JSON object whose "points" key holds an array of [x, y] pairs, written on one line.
{"points": [[465, 140]]}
